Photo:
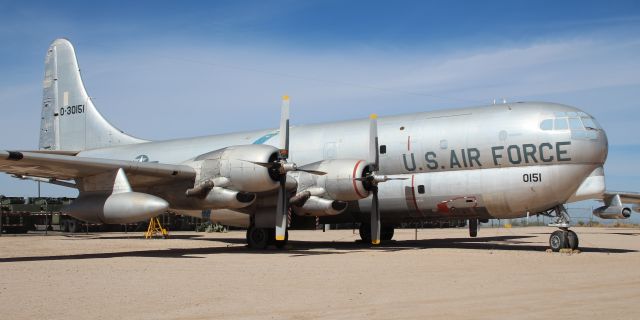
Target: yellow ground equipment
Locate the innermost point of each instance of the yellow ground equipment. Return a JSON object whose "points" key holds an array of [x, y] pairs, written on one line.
{"points": [[155, 228]]}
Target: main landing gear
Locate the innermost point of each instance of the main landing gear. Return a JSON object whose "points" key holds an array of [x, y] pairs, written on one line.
{"points": [[563, 238], [261, 238], [386, 232], [473, 228]]}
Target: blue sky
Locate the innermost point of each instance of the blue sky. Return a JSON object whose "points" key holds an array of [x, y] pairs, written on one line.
{"points": [[206, 67]]}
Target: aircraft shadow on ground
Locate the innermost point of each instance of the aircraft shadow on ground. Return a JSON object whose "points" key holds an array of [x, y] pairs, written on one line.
{"points": [[308, 248], [138, 236], [501, 243]]}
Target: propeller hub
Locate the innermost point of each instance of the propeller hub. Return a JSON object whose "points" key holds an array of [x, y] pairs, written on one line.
{"points": [[379, 178], [287, 167]]}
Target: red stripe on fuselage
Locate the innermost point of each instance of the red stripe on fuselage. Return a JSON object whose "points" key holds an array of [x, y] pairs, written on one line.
{"points": [[353, 177]]}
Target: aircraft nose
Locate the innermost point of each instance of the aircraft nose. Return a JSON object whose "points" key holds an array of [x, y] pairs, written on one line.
{"points": [[603, 143]]}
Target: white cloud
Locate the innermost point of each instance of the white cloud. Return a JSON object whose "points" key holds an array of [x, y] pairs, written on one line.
{"points": [[217, 89]]}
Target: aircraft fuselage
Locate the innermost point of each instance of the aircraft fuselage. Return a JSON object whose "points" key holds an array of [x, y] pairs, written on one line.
{"points": [[498, 161]]}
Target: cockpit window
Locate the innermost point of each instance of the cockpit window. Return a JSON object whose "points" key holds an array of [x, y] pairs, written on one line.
{"points": [[561, 124], [589, 124], [575, 124], [546, 124], [582, 125]]}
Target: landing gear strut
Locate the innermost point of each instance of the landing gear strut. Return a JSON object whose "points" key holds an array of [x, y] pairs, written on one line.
{"points": [[563, 238]]}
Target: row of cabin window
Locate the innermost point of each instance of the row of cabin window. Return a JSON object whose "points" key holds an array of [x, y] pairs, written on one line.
{"points": [[568, 123]]}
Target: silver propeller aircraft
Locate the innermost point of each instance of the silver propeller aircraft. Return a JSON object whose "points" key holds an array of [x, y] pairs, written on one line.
{"points": [[498, 161]]}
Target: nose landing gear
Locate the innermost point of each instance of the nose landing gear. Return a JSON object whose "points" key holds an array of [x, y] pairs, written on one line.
{"points": [[563, 238]]}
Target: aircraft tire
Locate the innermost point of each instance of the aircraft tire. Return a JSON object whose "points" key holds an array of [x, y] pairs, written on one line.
{"points": [[257, 238], [279, 244], [473, 228], [365, 232], [557, 240], [572, 238], [386, 233]]}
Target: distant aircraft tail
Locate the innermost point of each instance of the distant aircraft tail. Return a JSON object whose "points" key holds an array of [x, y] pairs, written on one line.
{"points": [[70, 121]]}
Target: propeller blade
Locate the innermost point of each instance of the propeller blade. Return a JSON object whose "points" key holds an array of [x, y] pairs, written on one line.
{"points": [[267, 165], [281, 210], [374, 154], [270, 165], [375, 217], [374, 178], [316, 172], [284, 128]]}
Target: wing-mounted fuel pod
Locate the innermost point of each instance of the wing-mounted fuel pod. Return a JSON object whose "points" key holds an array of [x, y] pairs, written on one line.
{"points": [[118, 205]]}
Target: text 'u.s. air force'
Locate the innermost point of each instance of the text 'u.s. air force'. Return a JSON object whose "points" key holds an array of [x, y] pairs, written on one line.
{"points": [[513, 154]]}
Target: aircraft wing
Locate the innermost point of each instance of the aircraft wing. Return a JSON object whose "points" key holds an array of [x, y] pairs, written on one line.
{"points": [[625, 197], [67, 167]]}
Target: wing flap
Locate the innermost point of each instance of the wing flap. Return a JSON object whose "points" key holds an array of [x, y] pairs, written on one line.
{"points": [[66, 167]]}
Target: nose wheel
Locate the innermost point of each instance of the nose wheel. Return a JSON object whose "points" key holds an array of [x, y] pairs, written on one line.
{"points": [[563, 238]]}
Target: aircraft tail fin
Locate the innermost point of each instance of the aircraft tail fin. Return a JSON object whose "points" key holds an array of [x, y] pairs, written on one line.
{"points": [[70, 121]]}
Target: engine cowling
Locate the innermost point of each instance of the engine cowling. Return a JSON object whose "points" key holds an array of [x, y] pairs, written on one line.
{"points": [[126, 207], [340, 181], [612, 212], [238, 165], [221, 198], [320, 207]]}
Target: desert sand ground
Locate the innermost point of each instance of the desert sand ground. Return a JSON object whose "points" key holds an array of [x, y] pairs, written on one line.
{"points": [[504, 273]]}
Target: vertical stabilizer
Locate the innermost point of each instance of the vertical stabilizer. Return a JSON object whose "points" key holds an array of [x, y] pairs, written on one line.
{"points": [[70, 121]]}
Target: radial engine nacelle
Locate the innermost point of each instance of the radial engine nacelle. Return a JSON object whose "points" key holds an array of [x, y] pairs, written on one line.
{"points": [[239, 167], [612, 212], [342, 181], [126, 207]]}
